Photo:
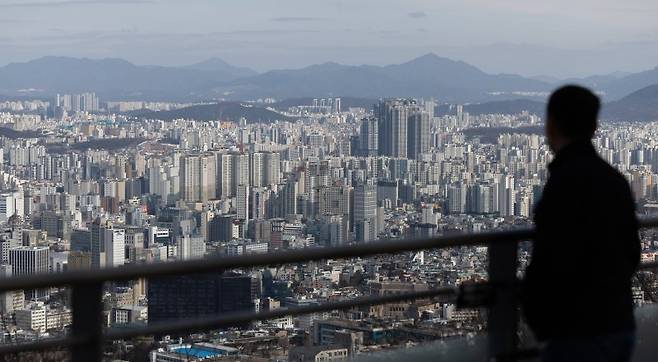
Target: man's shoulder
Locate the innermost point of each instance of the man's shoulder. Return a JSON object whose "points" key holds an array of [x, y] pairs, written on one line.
{"points": [[590, 169], [610, 172]]}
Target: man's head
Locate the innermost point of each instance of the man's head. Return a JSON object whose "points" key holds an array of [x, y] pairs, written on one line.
{"points": [[571, 116]]}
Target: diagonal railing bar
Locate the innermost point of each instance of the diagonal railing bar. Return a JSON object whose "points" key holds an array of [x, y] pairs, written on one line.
{"points": [[42, 345], [233, 319], [214, 264]]}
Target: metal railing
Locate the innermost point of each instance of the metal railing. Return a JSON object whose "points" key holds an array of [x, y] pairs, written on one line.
{"points": [[87, 334]]}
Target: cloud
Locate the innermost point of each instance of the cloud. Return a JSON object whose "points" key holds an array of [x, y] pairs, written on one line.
{"points": [[71, 2], [417, 14], [296, 19], [133, 36]]}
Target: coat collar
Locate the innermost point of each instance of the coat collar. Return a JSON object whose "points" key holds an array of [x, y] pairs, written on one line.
{"points": [[568, 152]]}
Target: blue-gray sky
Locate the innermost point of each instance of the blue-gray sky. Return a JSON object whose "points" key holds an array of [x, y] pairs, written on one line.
{"points": [[531, 37]]}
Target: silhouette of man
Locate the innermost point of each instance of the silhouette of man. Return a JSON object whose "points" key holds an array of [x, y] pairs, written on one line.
{"points": [[577, 290]]}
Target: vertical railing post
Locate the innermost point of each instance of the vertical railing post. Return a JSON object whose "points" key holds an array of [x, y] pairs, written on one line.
{"points": [[504, 312], [86, 300]]}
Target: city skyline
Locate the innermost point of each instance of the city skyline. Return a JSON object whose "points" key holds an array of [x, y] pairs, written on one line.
{"points": [[326, 181], [88, 188]]}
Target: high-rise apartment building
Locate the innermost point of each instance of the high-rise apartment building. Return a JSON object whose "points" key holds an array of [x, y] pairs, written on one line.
{"points": [[365, 212], [418, 134], [403, 128], [369, 137], [232, 170], [242, 202], [115, 245], [85, 102], [260, 203], [334, 200], [197, 178], [264, 169], [97, 233], [190, 247]]}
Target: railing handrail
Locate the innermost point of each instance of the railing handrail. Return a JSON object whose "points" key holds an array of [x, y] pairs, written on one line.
{"points": [[236, 318], [230, 320], [80, 280], [219, 263]]}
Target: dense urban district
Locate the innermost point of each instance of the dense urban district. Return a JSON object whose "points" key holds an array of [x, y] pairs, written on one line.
{"points": [[87, 184]]}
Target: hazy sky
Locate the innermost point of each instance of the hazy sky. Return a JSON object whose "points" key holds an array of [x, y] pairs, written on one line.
{"points": [[530, 37]]}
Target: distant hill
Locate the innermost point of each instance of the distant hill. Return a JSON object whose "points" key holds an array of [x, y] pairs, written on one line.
{"points": [[230, 111], [216, 65], [13, 134], [623, 86], [113, 78], [616, 85], [345, 102], [513, 106], [99, 144], [490, 134], [641, 105], [426, 76], [597, 82]]}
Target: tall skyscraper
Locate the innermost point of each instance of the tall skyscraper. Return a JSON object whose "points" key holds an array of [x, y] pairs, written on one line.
{"points": [[395, 138], [97, 234], [264, 169], [86, 102], [457, 194], [7, 206], [197, 178], [369, 137], [334, 200], [260, 201], [288, 198], [418, 133], [336, 105], [272, 168], [365, 212], [232, 170], [395, 120], [115, 247], [256, 168], [30, 260], [242, 202], [190, 247], [429, 107]]}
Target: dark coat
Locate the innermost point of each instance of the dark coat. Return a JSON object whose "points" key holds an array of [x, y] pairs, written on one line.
{"points": [[586, 250]]}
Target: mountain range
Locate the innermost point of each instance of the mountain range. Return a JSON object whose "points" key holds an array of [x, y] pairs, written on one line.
{"points": [[221, 68], [115, 78], [641, 105], [426, 76], [446, 80]]}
